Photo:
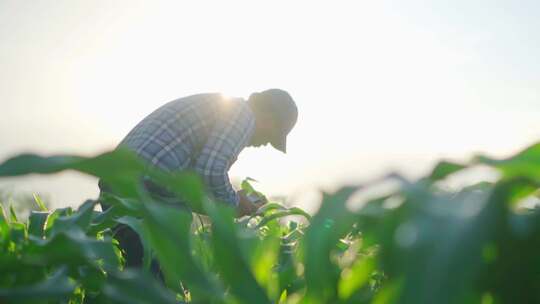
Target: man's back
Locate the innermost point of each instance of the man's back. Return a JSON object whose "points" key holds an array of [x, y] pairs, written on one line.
{"points": [[168, 136], [203, 132]]}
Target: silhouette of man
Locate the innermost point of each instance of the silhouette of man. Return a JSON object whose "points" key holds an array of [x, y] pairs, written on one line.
{"points": [[205, 133]]}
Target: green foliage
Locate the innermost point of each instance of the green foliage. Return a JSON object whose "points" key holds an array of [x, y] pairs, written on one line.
{"points": [[22, 203], [419, 244]]}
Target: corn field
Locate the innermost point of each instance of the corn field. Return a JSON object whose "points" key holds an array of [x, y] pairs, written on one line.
{"points": [[419, 243]]}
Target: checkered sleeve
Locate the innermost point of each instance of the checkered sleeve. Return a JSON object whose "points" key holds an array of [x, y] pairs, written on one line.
{"points": [[230, 134]]}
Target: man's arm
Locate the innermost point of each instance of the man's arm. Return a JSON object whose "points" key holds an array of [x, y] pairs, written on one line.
{"points": [[231, 133]]}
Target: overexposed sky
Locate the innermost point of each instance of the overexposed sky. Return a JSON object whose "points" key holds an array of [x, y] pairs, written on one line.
{"points": [[380, 85]]}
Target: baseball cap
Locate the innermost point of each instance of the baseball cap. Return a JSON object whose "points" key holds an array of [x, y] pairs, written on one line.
{"points": [[284, 112]]}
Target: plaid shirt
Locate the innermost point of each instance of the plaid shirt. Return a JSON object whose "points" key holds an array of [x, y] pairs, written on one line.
{"points": [[203, 132]]}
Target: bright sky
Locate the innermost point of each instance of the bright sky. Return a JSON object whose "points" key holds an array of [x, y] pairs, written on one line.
{"points": [[380, 85]]}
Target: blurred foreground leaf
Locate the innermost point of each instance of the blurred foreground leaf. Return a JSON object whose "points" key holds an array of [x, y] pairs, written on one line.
{"points": [[168, 229], [56, 287], [132, 287], [327, 227], [230, 259], [524, 164]]}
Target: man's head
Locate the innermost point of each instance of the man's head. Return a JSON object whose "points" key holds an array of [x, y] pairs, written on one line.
{"points": [[275, 116]]}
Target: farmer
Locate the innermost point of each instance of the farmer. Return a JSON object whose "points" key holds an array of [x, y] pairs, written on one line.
{"points": [[205, 133]]}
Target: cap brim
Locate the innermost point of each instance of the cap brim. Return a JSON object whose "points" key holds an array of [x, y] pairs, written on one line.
{"points": [[280, 143]]}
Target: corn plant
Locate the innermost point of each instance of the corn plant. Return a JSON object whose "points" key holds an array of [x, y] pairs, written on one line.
{"points": [[420, 243]]}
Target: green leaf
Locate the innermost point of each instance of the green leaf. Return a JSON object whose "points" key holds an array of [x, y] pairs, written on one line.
{"points": [[12, 214], [230, 260], [91, 278], [444, 236], [127, 206], [356, 277], [36, 223], [17, 233], [327, 227], [246, 185], [40, 203], [263, 257], [103, 220], [250, 190], [80, 219], [120, 169], [269, 207], [56, 287], [279, 214], [168, 229], [389, 294], [75, 248], [55, 215], [132, 287], [137, 226], [525, 163], [187, 186], [3, 216], [288, 262], [444, 169], [4, 225]]}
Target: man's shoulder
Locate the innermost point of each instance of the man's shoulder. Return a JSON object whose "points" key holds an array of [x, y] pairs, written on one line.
{"points": [[195, 98], [202, 96], [217, 103]]}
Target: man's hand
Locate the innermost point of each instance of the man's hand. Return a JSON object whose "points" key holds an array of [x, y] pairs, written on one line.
{"points": [[245, 206]]}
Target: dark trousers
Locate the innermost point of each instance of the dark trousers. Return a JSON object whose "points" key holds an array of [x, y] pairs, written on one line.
{"points": [[129, 241]]}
